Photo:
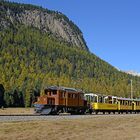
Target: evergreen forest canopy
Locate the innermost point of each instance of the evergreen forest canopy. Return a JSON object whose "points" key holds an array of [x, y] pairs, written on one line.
{"points": [[30, 60]]}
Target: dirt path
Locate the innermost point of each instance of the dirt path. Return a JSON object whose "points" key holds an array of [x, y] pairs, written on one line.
{"points": [[13, 111]]}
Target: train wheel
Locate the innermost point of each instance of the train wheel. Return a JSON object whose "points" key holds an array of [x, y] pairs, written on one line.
{"points": [[96, 112], [90, 111]]}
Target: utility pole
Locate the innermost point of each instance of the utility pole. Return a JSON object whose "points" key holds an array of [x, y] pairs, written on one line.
{"points": [[131, 89]]}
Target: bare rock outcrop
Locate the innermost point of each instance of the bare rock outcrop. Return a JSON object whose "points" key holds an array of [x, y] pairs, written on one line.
{"points": [[50, 22]]}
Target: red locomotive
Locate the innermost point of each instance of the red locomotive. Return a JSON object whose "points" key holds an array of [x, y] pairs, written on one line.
{"points": [[61, 99]]}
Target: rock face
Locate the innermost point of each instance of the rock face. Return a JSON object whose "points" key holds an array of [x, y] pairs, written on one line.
{"points": [[54, 23]]}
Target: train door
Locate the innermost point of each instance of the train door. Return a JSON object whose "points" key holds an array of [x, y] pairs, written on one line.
{"points": [[133, 106], [119, 106], [51, 101]]}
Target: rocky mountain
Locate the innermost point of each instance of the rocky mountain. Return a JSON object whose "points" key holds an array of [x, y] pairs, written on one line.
{"points": [[40, 48], [50, 22]]}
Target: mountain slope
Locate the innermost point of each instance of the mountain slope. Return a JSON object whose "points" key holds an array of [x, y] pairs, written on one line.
{"points": [[50, 22], [31, 59]]}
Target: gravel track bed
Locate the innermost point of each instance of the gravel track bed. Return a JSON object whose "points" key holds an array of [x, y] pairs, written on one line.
{"points": [[68, 117], [31, 118]]}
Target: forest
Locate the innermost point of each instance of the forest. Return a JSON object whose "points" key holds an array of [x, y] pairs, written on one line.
{"points": [[31, 60]]}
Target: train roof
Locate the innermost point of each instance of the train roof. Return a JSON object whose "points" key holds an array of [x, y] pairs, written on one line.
{"points": [[126, 99], [137, 100], [63, 88], [91, 94]]}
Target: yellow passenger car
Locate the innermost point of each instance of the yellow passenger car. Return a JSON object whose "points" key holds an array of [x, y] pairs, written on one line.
{"points": [[101, 103]]}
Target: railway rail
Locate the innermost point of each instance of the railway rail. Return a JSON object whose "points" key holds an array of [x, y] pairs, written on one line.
{"points": [[68, 114], [30, 117]]}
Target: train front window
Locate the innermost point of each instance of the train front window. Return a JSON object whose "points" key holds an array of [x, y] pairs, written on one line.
{"points": [[54, 92]]}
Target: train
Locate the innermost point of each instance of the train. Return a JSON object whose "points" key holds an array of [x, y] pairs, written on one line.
{"points": [[57, 99]]}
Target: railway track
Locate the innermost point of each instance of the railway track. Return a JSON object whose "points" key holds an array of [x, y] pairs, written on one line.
{"points": [[35, 117], [68, 114]]}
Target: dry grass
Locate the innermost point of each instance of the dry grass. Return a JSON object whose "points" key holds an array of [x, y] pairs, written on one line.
{"points": [[7, 111], [95, 128]]}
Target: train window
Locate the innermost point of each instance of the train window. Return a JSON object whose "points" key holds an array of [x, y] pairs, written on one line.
{"points": [[45, 91], [88, 98], [61, 95], [81, 96], [64, 94], [54, 92], [74, 96], [95, 99], [106, 100], [114, 100], [49, 93], [92, 99], [124, 102], [69, 95], [109, 99], [100, 99]]}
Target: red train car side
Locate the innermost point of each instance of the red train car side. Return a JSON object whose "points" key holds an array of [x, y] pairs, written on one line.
{"points": [[61, 99]]}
